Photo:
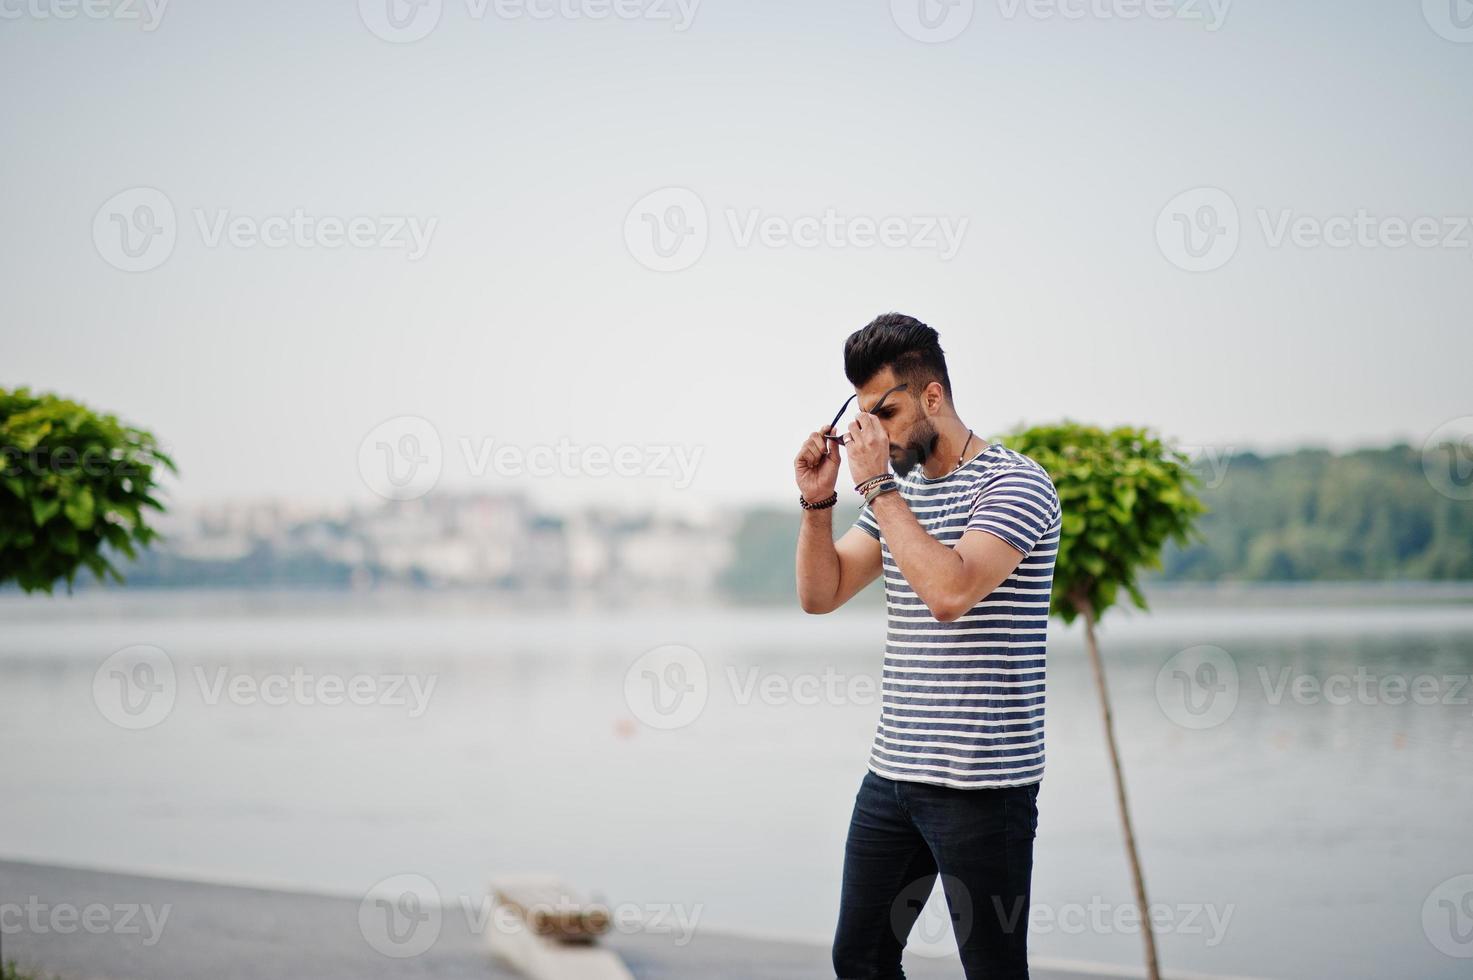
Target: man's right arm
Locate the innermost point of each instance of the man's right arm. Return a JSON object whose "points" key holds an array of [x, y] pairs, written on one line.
{"points": [[829, 572]]}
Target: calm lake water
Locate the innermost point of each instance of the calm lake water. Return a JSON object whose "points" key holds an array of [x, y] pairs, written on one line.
{"points": [[1300, 776]]}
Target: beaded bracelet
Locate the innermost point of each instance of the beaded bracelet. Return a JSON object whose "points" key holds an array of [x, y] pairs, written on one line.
{"points": [[824, 504]]}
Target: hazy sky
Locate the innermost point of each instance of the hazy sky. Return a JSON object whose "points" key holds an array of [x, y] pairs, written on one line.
{"points": [[1049, 140]]}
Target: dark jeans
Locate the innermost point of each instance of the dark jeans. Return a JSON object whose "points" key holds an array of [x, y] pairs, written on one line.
{"points": [[901, 836]]}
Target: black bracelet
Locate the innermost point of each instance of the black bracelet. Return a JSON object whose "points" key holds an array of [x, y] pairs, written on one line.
{"points": [[824, 504]]}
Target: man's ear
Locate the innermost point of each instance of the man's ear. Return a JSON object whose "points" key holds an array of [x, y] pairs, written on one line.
{"points": [[935, 396]]}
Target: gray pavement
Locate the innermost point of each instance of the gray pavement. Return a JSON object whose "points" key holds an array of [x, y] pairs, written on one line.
{"points": [[220, 932]]}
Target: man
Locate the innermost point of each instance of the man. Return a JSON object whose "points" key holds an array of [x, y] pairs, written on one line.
{"points": [[965, 532]]}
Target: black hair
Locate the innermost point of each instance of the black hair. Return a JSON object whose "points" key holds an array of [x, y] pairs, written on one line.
{"points": [[906, 345]]}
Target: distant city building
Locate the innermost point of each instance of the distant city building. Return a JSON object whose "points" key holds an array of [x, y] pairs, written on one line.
{"points": [[494, 542]]}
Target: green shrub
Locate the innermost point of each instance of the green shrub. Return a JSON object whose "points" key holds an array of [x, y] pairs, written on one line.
{"points": [[1124, 494], [72, 484]]}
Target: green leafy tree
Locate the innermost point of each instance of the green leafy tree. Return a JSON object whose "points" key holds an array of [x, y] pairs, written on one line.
{"points": [[1123, 495], [1396, 513], [75, 487]]}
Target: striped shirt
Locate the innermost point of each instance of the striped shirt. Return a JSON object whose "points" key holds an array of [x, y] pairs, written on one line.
{"points": [[962, 702]]}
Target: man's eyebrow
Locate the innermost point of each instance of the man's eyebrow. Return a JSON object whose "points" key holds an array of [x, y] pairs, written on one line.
{"points": [[883, 400]]}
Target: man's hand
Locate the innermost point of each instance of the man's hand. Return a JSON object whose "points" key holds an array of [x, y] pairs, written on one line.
{"points": [[869, 448], [816, 468]]}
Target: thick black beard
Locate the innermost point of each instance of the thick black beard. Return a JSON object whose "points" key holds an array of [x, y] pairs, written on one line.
{"points": [[922, 444]]}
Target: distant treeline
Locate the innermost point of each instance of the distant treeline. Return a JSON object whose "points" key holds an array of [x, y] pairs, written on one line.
{"points": [[1309, 515]]}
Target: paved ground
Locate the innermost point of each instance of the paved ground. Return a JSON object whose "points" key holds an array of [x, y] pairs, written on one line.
{"points": [[217, 932]]}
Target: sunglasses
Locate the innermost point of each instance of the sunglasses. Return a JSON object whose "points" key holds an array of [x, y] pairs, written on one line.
{"points": [[842, 408]]}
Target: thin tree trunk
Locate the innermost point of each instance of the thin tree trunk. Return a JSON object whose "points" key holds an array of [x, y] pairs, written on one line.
{"points": [[1153, 971]]}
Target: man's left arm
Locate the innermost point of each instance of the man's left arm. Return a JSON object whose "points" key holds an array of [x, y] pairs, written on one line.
{"points": [[949, 581]]}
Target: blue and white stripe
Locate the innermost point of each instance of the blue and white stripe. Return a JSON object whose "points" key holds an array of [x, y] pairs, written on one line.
{"points": [[962, 703]]}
